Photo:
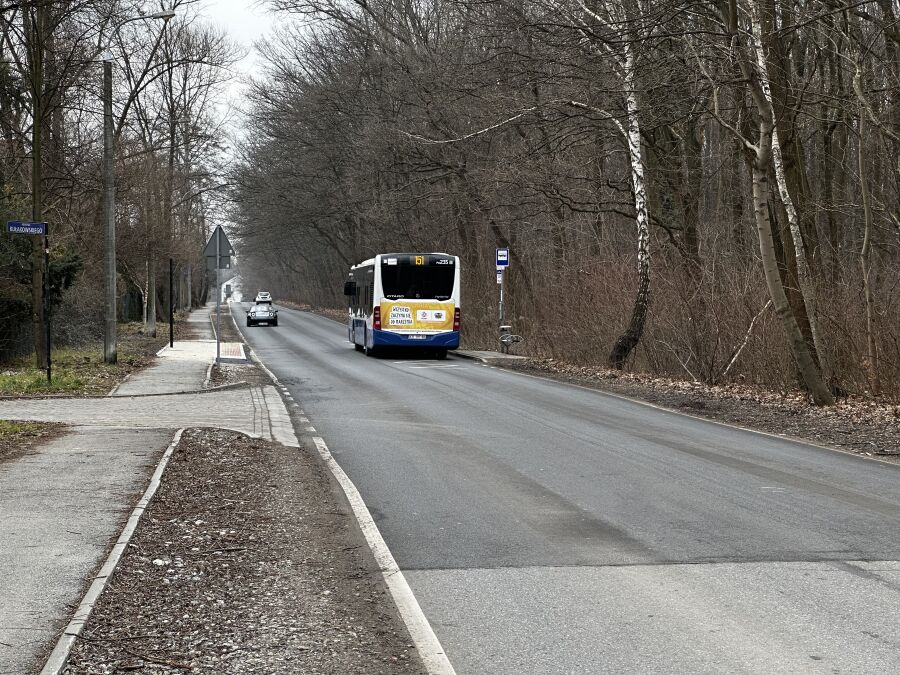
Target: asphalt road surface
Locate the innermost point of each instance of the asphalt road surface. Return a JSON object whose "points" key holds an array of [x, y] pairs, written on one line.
{"points": [[547, 528]]}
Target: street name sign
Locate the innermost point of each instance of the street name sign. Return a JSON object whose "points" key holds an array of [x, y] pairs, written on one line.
{"points": [[23, 227]]}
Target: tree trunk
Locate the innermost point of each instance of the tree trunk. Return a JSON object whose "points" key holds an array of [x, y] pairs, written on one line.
{"points": [[150, 324], [865, 261], [761, 154], [811, 377], [804, 273], [626, 342]]}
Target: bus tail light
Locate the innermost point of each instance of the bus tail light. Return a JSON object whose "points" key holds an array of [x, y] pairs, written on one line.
{"points": [[456, 319], [376, 319]]}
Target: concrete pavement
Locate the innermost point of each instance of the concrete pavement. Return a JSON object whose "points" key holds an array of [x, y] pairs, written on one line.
{"points": [[59, 507], [63, 503]]}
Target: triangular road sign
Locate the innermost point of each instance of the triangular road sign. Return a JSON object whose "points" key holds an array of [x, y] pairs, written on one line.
{"points": [[225, 249]]}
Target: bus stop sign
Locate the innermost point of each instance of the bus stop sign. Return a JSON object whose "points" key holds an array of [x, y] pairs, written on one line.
{"points": [[502, 257]]}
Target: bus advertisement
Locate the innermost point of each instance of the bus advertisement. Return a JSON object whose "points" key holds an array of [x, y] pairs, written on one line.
{"points": [[404, 300]]}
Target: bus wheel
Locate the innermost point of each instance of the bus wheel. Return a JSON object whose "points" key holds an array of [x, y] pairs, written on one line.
{"points": [[370, 351], [441, 354], [357, 347]]}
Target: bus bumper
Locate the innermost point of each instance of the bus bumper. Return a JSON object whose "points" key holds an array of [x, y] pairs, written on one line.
{"points": [[383, 338]]}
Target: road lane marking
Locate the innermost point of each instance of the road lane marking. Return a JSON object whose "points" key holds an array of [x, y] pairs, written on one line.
{"points": [[427, 643]]}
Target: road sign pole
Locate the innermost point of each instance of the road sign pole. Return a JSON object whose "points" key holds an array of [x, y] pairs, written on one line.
{"points": [[47, 303], [218, 285], [502, 281], [171, 303]]}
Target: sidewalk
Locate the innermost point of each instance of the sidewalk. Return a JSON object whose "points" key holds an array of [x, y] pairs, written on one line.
{"points": [[63, 504]]}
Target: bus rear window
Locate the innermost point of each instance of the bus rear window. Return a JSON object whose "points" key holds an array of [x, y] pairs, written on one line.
{"points": [[432, 282]]}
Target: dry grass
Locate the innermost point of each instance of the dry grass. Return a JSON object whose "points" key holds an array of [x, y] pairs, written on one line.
{"points": [[81, 371]]}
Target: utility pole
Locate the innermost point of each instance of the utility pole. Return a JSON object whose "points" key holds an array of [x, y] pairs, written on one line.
{"points": [[34, 33], [110, 353], [218, 287]]}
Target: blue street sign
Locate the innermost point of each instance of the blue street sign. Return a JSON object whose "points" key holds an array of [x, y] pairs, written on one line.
{"points": [[502, 257], [20, 227]]}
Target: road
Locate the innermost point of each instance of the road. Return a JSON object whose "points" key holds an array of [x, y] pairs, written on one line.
{"points": [[548, 528]]}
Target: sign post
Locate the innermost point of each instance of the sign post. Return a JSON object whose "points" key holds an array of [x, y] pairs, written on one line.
{"points": [[171, 303], [40, 229], [218, 247], [502, 264]]}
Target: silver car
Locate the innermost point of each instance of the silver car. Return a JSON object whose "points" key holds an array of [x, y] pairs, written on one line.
{"points": [[263, 313]]}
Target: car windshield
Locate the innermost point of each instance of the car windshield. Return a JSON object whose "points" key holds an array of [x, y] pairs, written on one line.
{"points": [[261, 308]]}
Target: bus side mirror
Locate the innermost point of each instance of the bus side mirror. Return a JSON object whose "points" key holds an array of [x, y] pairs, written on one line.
{"points": [[349, 288]]}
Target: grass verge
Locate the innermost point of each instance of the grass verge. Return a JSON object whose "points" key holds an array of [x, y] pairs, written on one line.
{"points": [[81, 371]]}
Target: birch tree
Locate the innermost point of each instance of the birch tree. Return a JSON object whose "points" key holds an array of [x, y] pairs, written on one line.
{"points": [[761, 156]]}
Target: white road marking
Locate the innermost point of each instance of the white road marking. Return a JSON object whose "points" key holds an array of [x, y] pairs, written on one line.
{"points": [[427, 643], [420, 631]]}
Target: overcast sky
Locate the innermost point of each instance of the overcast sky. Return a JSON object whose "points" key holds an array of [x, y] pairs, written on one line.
{"points": [[247, 21]]}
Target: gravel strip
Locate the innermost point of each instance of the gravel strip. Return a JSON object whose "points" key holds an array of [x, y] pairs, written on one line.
{"points": [[245, 562]]}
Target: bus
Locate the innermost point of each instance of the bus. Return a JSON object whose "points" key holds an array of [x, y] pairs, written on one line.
{"points": [[404, 300]]}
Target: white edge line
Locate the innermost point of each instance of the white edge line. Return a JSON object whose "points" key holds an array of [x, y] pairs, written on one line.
{"points": [[56, 662], [420, 630], [680, 413]]}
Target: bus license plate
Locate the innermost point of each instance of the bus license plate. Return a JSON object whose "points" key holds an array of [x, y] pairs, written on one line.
{"points": [[417, 337]]}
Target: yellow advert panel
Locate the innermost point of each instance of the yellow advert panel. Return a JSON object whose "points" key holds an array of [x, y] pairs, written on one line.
{"points": [[404, 315]]}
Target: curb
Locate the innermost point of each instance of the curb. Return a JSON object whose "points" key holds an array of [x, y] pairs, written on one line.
{"points": [[433, 656], [58, 658], [112, 392]]}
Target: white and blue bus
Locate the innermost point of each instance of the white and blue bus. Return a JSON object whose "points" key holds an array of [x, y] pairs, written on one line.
{"points": [[404, 300]]}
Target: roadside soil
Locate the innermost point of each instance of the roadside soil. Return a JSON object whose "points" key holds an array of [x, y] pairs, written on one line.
{"points": [[853, 425], [17, 438], [81, 371], [246, 561]]}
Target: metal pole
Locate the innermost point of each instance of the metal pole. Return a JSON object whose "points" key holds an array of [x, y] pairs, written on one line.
{"points": [[110, 354], [502, 281], [218, 285], [47, 301], [171, 303]]}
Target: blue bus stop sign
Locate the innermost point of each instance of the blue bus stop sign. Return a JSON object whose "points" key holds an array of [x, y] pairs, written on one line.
{"points": [[502, 257], [21, 227]]}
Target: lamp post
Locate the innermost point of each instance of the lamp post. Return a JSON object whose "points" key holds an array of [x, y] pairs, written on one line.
{"points": [[110, 354]]}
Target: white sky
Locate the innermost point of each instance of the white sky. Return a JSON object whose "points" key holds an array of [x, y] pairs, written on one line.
{"points": [[246, 21]]}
